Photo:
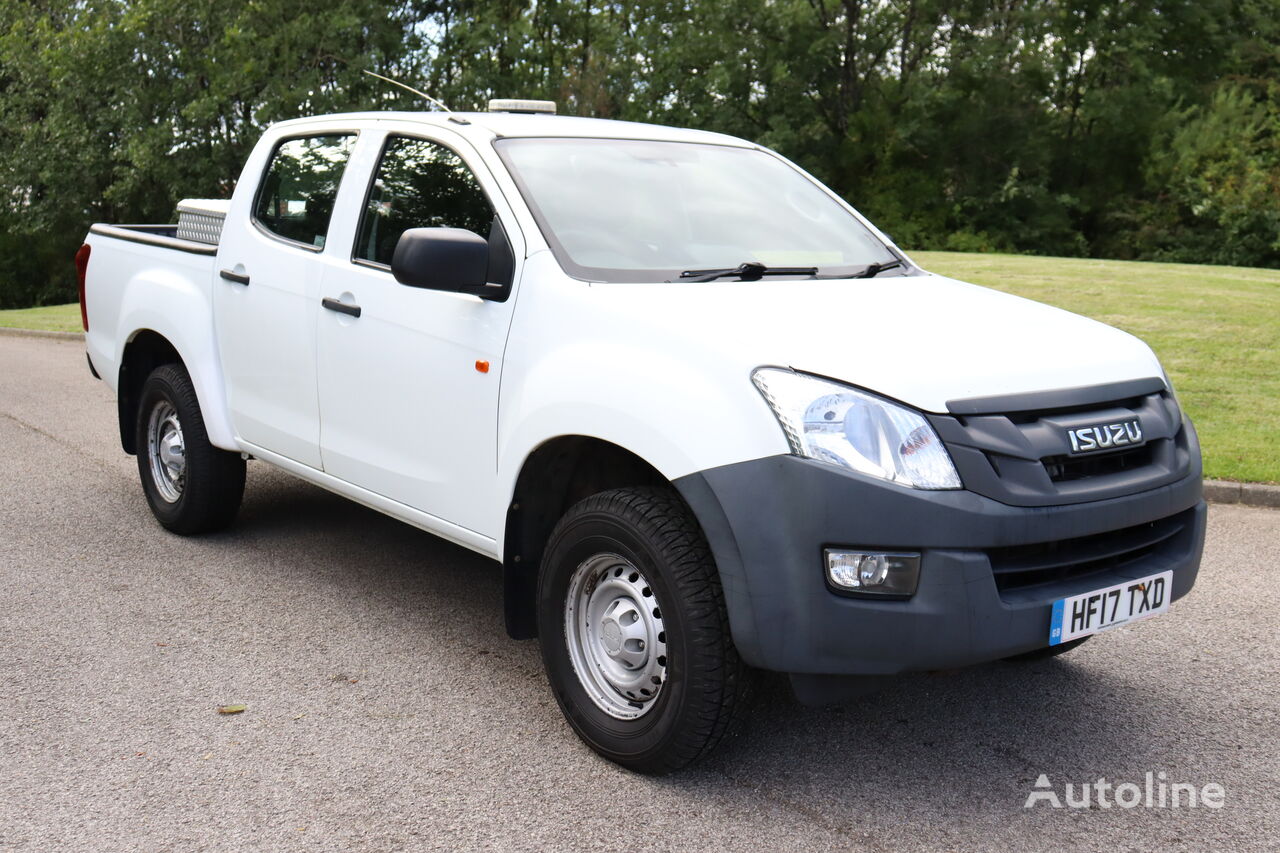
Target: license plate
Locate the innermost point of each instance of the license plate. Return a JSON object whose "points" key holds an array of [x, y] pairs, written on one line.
{"points": [[1091, 612]]}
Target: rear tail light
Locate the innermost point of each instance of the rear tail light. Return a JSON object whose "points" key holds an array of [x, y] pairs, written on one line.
{"points": [[82, 268]]}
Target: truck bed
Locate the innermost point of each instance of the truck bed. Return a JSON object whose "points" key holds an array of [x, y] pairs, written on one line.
{"points": [[151, 277], [164, 236], [198, 229]]}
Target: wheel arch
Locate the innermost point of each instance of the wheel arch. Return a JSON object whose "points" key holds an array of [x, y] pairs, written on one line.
{"points": [[554, 476], [144, 352], [151, 345]]}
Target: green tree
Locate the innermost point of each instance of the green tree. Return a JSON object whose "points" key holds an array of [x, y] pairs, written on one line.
{"points": [[1143, 128], [114, 110], [1219, 168]]}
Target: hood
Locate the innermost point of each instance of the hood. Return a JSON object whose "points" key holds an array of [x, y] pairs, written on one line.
{"points": [[922, 339]]}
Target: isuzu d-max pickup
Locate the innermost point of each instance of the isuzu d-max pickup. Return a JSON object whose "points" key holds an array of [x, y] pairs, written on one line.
{"points": [[707, 417]]}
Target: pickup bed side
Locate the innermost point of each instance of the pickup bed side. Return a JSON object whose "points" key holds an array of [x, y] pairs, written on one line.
{"points": [[148, 290]]}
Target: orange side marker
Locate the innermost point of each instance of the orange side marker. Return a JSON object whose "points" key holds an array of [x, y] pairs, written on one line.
{"points": [[482, 366]]}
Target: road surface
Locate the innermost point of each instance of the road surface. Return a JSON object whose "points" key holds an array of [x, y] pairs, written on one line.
{"points": [[387, 710]]}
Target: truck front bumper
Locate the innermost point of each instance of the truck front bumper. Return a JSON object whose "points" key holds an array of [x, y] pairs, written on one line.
{"points": [[989, 572]]}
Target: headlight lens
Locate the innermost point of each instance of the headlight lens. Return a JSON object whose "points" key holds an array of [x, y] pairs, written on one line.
{"points": [[853, 429]]}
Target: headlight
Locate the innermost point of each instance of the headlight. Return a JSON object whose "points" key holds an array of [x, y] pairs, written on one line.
{"points": [[853, 429]]}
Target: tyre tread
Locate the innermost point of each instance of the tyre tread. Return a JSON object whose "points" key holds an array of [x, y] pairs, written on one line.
{"points": [[211, 498], [718, 678]]}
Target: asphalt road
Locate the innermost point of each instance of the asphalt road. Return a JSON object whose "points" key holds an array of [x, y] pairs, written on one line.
{"points": [[387, 710]]}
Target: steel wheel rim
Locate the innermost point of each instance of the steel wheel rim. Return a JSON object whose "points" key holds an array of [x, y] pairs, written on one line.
{"points": [[166, 451], [616, 636]]}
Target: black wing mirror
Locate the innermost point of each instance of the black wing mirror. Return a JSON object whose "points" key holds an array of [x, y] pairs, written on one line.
{"points": [[452, 259]]}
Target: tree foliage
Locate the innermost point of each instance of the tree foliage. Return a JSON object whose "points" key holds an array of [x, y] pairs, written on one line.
{"points": [[1138, 129]]}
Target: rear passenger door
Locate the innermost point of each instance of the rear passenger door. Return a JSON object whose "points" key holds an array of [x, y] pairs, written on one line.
{"points": [[409, 388], [267, 294]]}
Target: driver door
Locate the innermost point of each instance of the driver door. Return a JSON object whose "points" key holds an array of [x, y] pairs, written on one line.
{"points": [[409, 387]]}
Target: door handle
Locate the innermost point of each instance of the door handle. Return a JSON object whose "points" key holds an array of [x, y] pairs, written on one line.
{"points": [[238, 278], [341, 307]]}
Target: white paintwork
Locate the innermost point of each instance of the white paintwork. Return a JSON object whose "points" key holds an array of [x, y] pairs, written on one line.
{"points": [[922, 340], [267, 330], [135, 287], [388, 409], [433, 524], [404, 413]]}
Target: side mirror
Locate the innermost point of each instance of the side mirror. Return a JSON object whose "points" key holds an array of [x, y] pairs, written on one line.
{"points": [[443, 259]]}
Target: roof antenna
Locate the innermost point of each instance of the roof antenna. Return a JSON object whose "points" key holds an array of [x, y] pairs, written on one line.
{"points": [[420, 94]]}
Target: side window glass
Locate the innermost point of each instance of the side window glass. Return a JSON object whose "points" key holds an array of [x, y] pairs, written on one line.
{"points": [[297, 194], [421, 184]]}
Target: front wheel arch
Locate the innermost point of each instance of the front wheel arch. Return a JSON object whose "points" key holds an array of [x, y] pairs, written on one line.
{"points": [[555, 476]]}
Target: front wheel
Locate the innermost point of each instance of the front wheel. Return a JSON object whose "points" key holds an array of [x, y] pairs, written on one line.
{"points": [[634, 632], [191, 486]]}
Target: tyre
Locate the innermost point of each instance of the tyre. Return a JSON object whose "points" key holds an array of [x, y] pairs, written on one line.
{"points": [[192, 486], [634, 632], [1049, 651]]}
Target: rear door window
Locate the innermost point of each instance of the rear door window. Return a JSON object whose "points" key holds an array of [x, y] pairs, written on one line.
{"points": [[297, 194]]}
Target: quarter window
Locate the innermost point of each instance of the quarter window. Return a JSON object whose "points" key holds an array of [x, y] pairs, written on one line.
{"points": [[296, 198], [421, 184]]}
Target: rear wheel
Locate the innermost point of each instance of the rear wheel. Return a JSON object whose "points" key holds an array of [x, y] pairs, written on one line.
{"points": [[634, 633], [191, 486]]}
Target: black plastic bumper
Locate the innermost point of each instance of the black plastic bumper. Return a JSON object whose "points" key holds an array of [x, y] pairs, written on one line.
{"points": [[768, 521]]}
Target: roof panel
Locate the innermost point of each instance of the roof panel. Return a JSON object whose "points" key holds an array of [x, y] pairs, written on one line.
{"points": [[520, 124]]}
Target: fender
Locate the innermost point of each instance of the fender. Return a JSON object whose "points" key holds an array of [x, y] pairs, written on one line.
{"points": [[171, 305], [681, 403], [674, 421], [650, 404]]}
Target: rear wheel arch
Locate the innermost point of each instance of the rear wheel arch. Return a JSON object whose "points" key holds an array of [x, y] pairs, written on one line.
{"points": [[191, 486], [555, 476], [144, 352]]}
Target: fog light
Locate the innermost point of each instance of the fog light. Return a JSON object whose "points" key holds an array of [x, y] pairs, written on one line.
{"points": [[873, 573]]}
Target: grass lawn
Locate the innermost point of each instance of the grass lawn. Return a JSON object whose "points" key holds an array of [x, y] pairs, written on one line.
{"points": [[50, 318], [1216, 329]]}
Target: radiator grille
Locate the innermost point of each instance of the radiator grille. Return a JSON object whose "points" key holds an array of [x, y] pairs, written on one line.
{"points": [[1023, 457], [1064, 468], [1050, 562]]}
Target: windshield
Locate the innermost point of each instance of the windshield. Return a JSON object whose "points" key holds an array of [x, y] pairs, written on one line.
{"points": [[631, 210]]}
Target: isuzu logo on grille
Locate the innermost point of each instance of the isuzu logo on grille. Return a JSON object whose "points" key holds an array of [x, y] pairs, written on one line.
{"points": [[1105, 436]]}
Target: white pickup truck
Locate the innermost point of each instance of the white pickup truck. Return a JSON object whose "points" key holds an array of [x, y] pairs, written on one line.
{"points": [[707, 417]]}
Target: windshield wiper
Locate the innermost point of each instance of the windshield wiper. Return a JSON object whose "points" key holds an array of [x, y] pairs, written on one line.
{"points": [[750, 271], [874, 270]]}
